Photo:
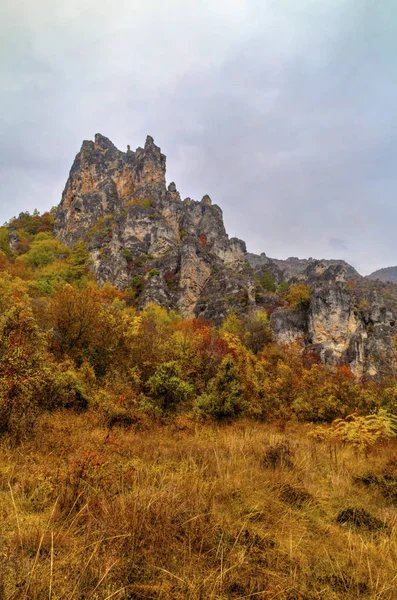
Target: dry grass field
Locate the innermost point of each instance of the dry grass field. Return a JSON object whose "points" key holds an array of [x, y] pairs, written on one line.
{"points": [[193, 511]]}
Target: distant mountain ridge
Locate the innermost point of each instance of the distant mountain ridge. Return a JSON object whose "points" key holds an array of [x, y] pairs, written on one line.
{"points": [[293, 269], [386, 274]]}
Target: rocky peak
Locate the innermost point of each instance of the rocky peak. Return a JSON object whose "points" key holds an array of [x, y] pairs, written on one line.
{"points": [[103, 142], [102, 179], [137, 227], [206, 200]]}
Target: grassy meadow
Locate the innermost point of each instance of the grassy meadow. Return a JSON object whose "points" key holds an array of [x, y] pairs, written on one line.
{"points": [[195, 511]]}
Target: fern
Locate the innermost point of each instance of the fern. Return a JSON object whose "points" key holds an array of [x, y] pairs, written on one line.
{"points": [[360, 432]]}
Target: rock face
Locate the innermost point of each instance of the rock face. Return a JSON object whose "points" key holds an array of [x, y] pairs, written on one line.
{"points": [[292, 269], [141, 234], [348, 320], [144, 238], [344, 323]]}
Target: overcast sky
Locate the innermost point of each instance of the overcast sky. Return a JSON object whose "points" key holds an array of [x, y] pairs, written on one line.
{"points": [[283, 111]]}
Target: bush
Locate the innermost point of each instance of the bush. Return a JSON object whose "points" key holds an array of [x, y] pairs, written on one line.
{"points": [[320, 398], [283, 288], [224, 399], [360, 432], [166, 387], [232, 324], [135, 289], [267, 282], [22, 370], [44, 251], [279, 456], [298, 296], [389, 400], [64, 390], [359, 517], [112, 412], [256, 330], [4, 241]]}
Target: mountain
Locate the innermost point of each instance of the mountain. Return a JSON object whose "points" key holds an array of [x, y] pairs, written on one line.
{"points": [[142, 237], [388, 274]]}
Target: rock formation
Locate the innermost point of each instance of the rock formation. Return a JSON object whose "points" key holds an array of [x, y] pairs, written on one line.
{"points": [[347, 321], [141, 234], [142, 237]]}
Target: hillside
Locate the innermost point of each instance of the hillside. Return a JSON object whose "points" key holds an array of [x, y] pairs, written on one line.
{"points": [[387, 275]]}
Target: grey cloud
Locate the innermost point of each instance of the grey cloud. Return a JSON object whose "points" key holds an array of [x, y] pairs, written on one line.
{"points": [[337, 244], [283, 112]]}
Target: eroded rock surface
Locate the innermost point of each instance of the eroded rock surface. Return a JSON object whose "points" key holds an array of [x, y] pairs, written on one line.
{"points": [[136, 227], [343, 323], [174, 252]]}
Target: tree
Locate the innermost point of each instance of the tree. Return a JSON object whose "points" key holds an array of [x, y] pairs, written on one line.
{"points": [[44, 250], [232, 324], [298, 295], [167, 388], [267, 282], [256, 331], [224, 399], [4, 241], [283, 288], [22, 370]]}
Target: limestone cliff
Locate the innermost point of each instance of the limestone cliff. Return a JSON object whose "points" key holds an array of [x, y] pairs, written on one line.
{"points": [[142, 237], [141, 234], [347, 321]]}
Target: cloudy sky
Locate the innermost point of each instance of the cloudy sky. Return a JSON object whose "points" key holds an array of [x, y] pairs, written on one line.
{"points": [[283, 111]]}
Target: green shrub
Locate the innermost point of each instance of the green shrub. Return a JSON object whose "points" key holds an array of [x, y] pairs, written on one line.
{"points": [[389, 400], [145, 202], [283, 288], [4, 241], [127, 255], [224, 398], [267, 282], [135, 289], [166, 387], [64, 390], [256, 330], [44, 251]]}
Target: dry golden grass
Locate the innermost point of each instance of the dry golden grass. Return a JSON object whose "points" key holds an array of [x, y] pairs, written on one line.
{"points": [[190, 511]]}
